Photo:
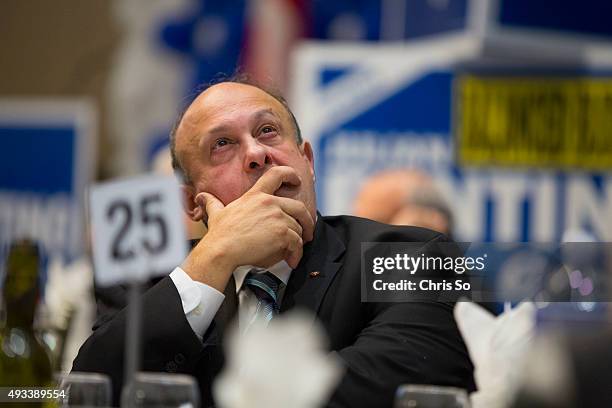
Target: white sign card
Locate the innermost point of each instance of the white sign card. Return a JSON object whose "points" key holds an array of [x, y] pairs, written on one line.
{"points": [[137, 228]]}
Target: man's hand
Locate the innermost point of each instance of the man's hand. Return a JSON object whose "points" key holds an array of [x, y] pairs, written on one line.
{"points": [[257, 229]]}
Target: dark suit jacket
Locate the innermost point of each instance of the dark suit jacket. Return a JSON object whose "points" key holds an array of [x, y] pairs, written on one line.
{"points": [[382, 345]]}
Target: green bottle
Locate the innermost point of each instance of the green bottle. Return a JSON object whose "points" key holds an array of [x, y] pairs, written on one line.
{"points": [[24, 359]]}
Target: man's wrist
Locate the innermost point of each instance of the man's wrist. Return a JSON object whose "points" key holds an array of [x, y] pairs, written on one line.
{"points": [[200, 302], [209, 264]]}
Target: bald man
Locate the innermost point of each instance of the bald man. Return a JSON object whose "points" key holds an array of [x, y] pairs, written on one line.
{"points": [[250, 176], [404, 197]]}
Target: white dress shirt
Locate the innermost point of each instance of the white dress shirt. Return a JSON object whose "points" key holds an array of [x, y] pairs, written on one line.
{"points": [[201, 302]]}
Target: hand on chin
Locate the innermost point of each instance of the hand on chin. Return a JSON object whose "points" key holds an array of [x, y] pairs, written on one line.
{"points": [[287, 191]]}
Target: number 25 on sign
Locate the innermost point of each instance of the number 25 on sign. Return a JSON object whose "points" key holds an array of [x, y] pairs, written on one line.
{"points": [[136, 228]]}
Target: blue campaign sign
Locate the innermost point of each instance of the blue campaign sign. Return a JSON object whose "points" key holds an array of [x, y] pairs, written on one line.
{"points": [[48, 173], [46, 161], [388, 107], [381, 20], [587, 17]]}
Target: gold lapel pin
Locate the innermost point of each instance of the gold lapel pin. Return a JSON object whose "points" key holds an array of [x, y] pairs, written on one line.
{"points": [[314, 274]]}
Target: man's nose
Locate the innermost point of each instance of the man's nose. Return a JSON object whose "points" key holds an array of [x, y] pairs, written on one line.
{"points": [[256, 156]]}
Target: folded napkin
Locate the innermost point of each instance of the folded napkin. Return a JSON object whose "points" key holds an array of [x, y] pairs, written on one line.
{"points": [[282, 365], [497, 346]]}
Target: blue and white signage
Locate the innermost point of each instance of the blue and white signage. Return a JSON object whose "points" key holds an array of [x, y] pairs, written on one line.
{"points": [[367, 108], [47, 157]]}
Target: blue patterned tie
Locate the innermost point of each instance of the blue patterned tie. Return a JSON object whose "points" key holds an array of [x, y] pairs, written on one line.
{"points": [[265, 286]]}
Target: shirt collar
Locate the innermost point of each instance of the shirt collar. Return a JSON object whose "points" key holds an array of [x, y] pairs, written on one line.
{"points": [[281, 270]]}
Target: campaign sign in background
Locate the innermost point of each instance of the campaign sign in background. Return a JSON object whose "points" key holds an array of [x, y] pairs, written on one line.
{"points": [[369, 108], [46, 159]]}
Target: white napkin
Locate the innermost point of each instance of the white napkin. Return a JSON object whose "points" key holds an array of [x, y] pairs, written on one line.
{"points": [[497, 346], [282, 365]]}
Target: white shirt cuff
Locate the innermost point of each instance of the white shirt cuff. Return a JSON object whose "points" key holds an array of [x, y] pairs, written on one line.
{"points": [[200, 301]]}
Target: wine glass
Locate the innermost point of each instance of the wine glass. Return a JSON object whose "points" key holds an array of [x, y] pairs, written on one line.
{"points": [[157, 390], [430, 396], [84, 390]]}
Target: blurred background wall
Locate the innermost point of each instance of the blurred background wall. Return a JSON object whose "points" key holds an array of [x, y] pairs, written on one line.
{"points": [[63, 49]]}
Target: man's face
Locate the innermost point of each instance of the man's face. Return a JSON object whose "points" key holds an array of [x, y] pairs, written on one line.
{"points": [[231, 135]]}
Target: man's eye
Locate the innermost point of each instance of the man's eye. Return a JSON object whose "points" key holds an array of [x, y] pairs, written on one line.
{"points": [[268, 130], [220, 143]]}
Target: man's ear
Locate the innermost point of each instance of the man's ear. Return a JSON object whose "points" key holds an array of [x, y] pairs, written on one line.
{"points": [[191, 208], [307, 149]]}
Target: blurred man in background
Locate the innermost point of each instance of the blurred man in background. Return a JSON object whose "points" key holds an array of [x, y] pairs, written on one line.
{"points": [[249, 175], [404, 197]]}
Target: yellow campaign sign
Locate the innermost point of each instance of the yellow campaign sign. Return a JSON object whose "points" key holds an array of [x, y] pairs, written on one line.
{"points": [[563, 122]]}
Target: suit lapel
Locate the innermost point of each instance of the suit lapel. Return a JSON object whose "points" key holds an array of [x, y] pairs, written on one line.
{"points": [[224, 316], [311, 279], [229, 307]]}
